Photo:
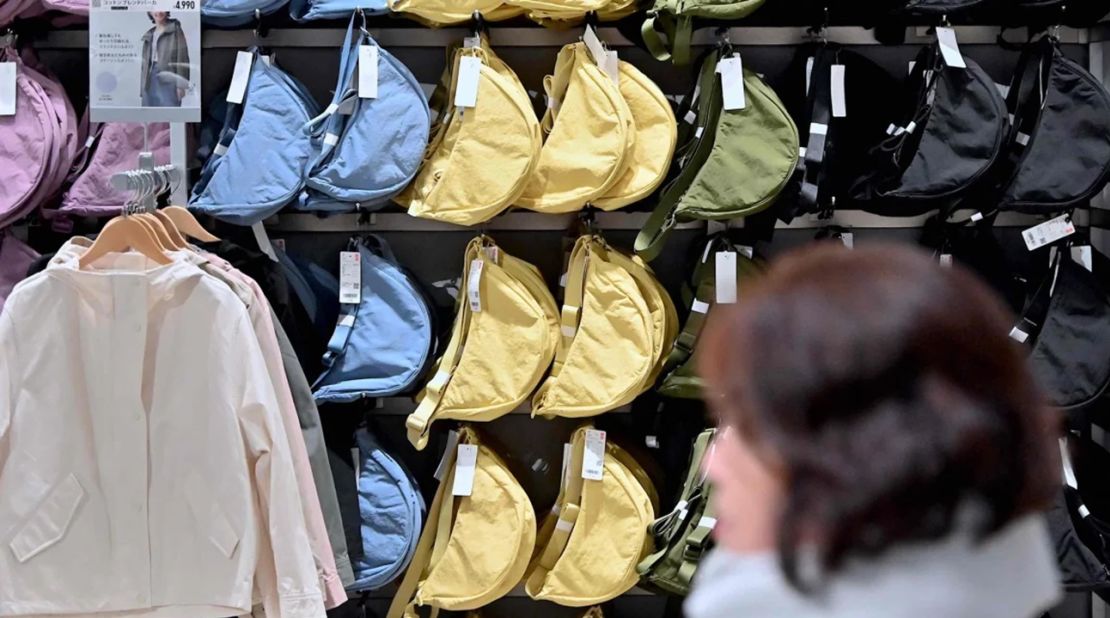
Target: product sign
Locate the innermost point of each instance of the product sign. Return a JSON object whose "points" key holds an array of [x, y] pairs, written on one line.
{"points": [[144, 60]]}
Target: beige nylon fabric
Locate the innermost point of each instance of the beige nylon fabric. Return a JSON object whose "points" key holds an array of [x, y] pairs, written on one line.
{"points": [[616, 324], [591, 135], [496, 356], [445, 12], [564, 13], [595, 560], [656, 136], [479, 159], [474, 549]]}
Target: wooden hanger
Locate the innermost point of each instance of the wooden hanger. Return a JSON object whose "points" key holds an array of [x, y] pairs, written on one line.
{"points": [[177, 241], [157, 229], [187, 224], [120, 234]]}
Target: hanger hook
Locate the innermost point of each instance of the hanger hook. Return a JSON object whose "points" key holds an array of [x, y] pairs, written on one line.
{"points": [[261, 28], [478, 24], [362, 22], [724, 38]]}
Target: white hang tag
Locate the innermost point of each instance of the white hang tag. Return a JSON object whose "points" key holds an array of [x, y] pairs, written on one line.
{"points": [[597, 50], [1018, 335], [690, 117], [568, 453], [239, 77], [699, 307], [726, 278], [651, 441], [613, 66], [465, 464], [839, 100], [849, 240], [269, 60], [746, 251], [593, 458], [474, 285], [472, 41], [494, 253], [1048, 232], [368, 71], [466, 91], [950, 48], [1082, 255], [452, 444], [732, 83], [809, 73], [355, 457], [946, 260], [350, 277], [263, 240], [1069, 470], [7, 88], [976, 217]]}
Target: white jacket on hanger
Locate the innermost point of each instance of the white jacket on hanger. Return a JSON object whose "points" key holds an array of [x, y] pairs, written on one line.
{"points": [[144, 469]]}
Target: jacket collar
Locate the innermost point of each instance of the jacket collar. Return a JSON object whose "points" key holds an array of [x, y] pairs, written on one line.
{"points": [[98, 281], [171, 27], [1012, 573]]}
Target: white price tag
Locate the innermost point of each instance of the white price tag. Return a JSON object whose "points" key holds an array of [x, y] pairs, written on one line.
{"points": [[466, 91], [239, 77], [474, 286], [613, 66], [350, 277], [946, 260], [732, 82], [368, 71], [465, 464], [7, 88], [839, 100], [452, 444], [809, 73], [568, 452], [597, 50], [1082, 255], [950, 48], [593, 459], [726, 278], [1018, 335], [849, 240], [1048, 232]]}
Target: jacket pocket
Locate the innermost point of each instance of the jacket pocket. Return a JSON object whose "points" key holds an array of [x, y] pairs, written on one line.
{"points": [[50, 521], [209, 517]]}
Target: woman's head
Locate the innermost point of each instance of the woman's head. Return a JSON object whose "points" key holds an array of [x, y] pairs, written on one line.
{"points": [[158, 17], [865, 398]]}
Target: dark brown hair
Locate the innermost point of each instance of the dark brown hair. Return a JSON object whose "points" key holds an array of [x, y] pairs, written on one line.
{"points": [[886, 391]]}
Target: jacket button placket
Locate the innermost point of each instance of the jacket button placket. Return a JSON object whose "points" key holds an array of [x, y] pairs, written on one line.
{"points": [[128, 355]]}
